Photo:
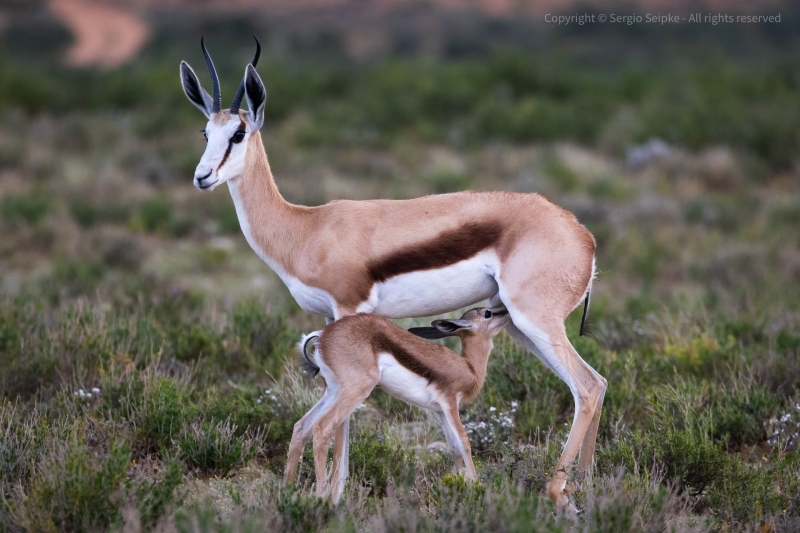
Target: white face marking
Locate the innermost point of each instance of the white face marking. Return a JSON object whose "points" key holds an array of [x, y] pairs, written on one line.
{"points": [[212, 171], [400, 382], [431, 292]]}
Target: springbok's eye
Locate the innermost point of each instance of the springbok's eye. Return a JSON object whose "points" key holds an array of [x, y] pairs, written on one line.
{"points": [[237, 137], [204, 134], [487, 314]]}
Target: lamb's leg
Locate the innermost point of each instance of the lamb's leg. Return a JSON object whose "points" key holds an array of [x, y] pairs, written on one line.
{"points": [[453, 421]]}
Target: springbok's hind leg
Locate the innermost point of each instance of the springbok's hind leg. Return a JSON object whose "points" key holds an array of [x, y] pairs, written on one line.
{"points": [[586, 457], [547, 339]]}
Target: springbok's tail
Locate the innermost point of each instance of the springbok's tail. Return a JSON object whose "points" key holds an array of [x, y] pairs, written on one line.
{"points": [[305, 361], [585, 312], [584, 325]]}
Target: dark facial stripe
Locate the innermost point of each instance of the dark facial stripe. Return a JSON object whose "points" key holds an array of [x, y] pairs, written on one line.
{"points": [[230, 145], [383, 343], [448, 248]]}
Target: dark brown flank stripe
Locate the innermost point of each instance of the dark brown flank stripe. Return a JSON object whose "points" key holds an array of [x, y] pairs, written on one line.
{"points": [[230, 145], [448, 248], [381, 343]]}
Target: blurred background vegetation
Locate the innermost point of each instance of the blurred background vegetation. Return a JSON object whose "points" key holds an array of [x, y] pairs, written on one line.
{"points": [[677, 146]]}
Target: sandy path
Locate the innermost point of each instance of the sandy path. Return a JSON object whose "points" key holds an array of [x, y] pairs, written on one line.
{"points": [[104, 35]]}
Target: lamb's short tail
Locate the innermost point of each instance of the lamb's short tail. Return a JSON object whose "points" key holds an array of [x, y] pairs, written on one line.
{"points": [[305, 361]]}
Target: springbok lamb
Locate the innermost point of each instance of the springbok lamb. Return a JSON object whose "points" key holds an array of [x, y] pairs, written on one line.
{"points": [[420, 257], [358, 352]]}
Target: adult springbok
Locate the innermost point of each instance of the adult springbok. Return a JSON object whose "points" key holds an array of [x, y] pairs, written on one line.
{"points": [[407, 258], [358, 352]]}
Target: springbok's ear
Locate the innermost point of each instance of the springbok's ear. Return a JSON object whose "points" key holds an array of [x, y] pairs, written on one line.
{"points": [[256, 97], [194, 92], [428, 333]]}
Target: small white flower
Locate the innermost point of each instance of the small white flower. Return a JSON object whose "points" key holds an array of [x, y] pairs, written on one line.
{"points": [[95, 390], [492, 409]]}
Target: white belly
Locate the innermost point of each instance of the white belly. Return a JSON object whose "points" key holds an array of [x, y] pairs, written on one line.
{"points": [[431, 292], [309, 298], [401, 383]]}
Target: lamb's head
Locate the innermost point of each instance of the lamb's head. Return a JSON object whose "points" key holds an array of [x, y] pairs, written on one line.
{"points": [[485, 321]]}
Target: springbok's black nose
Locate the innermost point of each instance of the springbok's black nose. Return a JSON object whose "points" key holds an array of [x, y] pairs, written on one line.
{"points": [[201, 178]]}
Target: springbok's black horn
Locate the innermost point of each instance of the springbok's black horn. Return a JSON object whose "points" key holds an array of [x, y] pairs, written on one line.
{"points": [[237, 100], [217, 103]]}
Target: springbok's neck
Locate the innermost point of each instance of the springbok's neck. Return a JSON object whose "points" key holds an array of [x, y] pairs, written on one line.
{"points": [[476, 350], [272, 226]]}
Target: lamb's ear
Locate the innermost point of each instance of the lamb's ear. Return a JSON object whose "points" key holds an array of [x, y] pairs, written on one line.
{"points": [[429, 333], [443, 328], [452, 326], [256, 97], [194, 91]]}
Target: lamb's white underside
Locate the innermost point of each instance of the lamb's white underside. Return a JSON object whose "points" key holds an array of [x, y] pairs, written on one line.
{"points": [[401, 383]]}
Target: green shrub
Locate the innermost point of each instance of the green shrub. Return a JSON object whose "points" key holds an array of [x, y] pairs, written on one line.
{"points": [[375, 460], [241, 408], [300, 513], [216, 449], [227, 219], [155, 500], [21, 442], [162, 415], [195, 341], [27, 363], [30, 207], [156, 214], [76, 491], [259, 339], [88, 214], [733, 489]]}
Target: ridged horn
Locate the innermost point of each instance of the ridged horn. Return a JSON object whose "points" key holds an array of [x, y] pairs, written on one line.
{"points": [[237, 100], [216, 105]]}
